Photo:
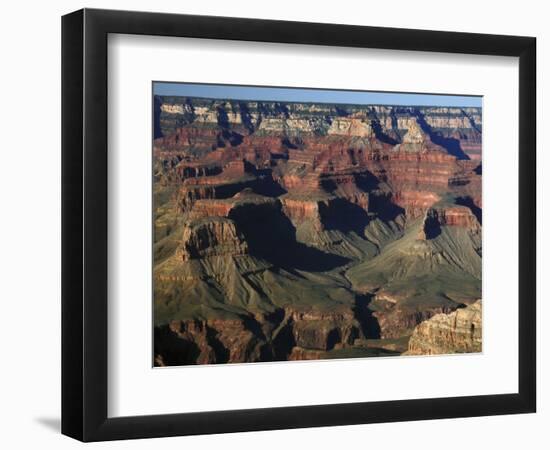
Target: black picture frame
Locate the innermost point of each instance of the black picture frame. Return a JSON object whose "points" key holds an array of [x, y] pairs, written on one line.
{"points": [[84, 224]]}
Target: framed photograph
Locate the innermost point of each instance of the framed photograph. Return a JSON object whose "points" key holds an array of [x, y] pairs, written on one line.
{"points": [[274, 225]]}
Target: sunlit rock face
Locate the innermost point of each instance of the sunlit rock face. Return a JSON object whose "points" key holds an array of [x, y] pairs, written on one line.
{"points": [[457, 332], [209, 237], [287, 231]]}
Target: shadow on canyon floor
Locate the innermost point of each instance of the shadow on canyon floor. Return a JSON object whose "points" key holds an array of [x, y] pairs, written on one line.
{"points": [[272, 236], [363, 314]]}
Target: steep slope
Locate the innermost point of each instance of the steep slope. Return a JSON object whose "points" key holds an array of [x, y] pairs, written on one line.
{"points": [[435, 267]]}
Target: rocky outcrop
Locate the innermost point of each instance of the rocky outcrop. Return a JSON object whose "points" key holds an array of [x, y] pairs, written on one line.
{"points": [[414, 139], [203, 140], [288, 334], [452, 216], [415, 203], [205, 208], [210, 188], [205, 342], [456, 216], [211, 237], [398, 321], [457, 332], [351, 127], [304, 210], [305, 354], [323, 331]]}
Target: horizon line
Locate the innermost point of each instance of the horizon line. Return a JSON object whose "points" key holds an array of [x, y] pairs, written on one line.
{"points": [[313, 95]]}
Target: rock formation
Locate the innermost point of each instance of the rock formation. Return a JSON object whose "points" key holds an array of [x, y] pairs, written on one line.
{"points": [[457, 332], [209, 237]]}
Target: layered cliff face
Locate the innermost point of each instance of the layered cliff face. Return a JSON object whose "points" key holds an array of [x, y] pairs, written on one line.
{"points": [[458, 128], [291, 231], [457, 332], [213, 236]]}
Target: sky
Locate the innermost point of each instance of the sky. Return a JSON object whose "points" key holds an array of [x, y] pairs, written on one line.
{"points": [[219, 91]]}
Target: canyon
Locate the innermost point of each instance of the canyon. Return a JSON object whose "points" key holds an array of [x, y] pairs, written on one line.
{"points": [[291, 231]]}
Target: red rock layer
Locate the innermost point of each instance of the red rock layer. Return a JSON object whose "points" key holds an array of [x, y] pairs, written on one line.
{"points": [[459, 216]]}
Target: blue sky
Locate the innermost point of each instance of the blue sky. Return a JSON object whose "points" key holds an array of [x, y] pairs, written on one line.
{"points": [[220, 91]]}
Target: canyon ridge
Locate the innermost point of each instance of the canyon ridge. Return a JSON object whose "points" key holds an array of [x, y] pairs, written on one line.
{"points": [[291, 231]]}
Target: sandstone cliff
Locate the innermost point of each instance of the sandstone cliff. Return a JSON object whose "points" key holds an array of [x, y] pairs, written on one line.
{"points": [[457, 332]]}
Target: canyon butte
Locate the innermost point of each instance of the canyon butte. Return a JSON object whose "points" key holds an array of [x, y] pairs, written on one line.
{"points": [[293, 231]]}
